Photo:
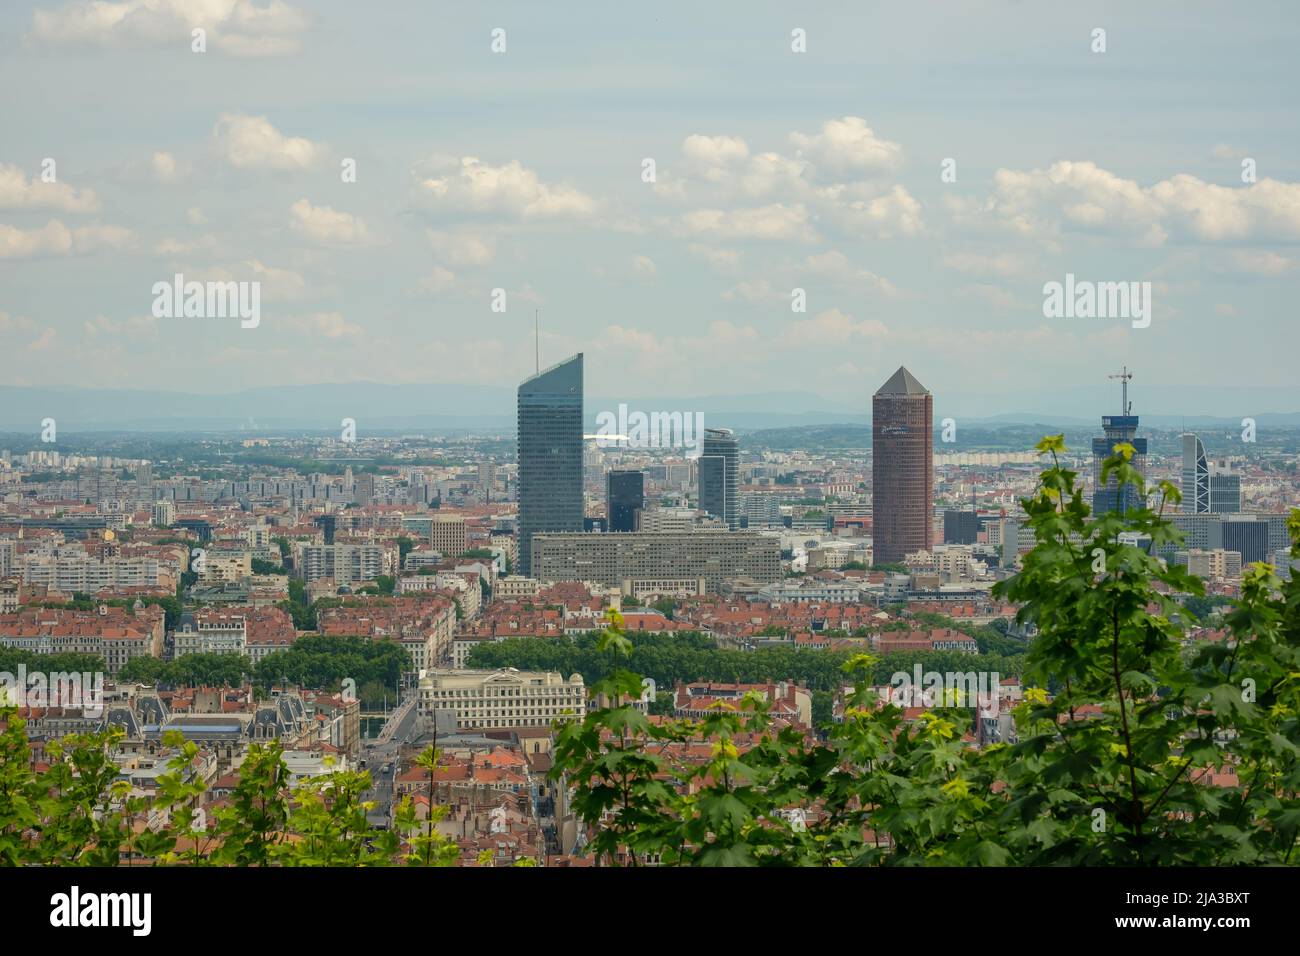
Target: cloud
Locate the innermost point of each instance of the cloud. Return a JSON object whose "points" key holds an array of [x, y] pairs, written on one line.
{"points": [[330, 325], [889, 215], [184, 247], [848, 145], [52, 239], [165, 167], [775, 221], [721, 260], [327, 226], [195, 216], [513, 191], [276, 284], [643, 267], [239, 28], [461, 249], [19, 192], [251, 142], [113, 328], [1261, 262], [1083, 197], [87, 239], [710, 157], [831, 327], [760, 290], [437, 281], [43, 342], [836, 267], [976, 263]]}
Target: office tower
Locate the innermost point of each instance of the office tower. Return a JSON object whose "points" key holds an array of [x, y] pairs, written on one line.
{"points": [[1196, 476], [624, 497], [550, 454], [1207, 487], [1117, 428], [327, 524], [1225, 490], [960, 527], [365, 489], [447, 535], [902, 467], [164, 514], [1246, 535], [144, 481], [719, 475]]}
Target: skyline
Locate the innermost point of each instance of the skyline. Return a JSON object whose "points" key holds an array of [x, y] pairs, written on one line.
{"points": [[775, 171]]}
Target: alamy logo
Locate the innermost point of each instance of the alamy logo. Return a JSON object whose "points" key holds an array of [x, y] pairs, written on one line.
{"points": [[977, 689], [1098, 300], [626, 429], [208, 300], [74, 908], [53, 689]]}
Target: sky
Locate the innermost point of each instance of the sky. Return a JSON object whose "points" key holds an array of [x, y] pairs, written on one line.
{"points": [[524, 169]]}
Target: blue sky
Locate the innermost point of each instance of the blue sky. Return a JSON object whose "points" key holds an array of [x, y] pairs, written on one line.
{"points": [[775, 170]]}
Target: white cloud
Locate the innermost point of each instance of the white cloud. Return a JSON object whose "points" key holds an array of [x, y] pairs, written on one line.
{"points": [[471, 186], [437, 281], [19, 192], [195, 216], [1002, 264], [1081, 196], [251, 142], [711, 156], [831, 327], [1261, 262], [760, 290], [774, 221], [848, 145], [893, 213], [461, 249], [330, 325], [327, 226], [54, 239], [721, 260], [235, 27], [643, 267], [86, 239], [43, 342], [276, 284], [184, 247], [165, 167], [835, 266]]}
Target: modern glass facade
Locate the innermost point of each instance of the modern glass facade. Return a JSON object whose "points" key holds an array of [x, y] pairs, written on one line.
{"points": [[550, 454], [719, 475], [1117, 428], [624, 497]]}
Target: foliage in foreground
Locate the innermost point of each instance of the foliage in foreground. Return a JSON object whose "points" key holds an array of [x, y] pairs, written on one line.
{"points": [[1111, 770]]}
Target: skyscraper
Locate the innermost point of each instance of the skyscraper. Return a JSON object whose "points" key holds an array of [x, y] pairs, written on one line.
{"points": [[902, 467], [550, 454], [624, 497], [1117, 428], [1196, 476], [719, 475], [1207, 488]]}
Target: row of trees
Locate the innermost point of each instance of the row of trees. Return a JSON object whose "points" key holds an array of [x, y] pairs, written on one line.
{"points": [[687, 656]]}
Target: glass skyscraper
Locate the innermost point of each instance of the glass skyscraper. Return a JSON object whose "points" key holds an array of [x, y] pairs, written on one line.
{"points": [[1116, 429], [624, 497], [550, 454], [719, 475]]}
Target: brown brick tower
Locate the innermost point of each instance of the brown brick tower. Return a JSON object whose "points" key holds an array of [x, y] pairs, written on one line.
{"points": [[902, 467]]}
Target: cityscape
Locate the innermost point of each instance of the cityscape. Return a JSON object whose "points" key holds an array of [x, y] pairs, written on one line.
{"points": [[585, 439]]}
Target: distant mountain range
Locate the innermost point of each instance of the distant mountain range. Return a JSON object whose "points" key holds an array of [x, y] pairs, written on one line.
{"points": [[280, 408]]}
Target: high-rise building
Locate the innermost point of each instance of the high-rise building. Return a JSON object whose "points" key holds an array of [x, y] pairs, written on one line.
{"points": [[550, 454], [1196, 476], [365, 489], [1117, 429], [960, 527], [1225, 490], [902, 467], [719, 475], [624, 497], [1211, 488]]}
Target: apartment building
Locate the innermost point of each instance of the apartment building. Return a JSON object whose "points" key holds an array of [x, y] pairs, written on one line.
{"points": [[447, 535], [501, 699], [611, 559], [345, 564]]}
